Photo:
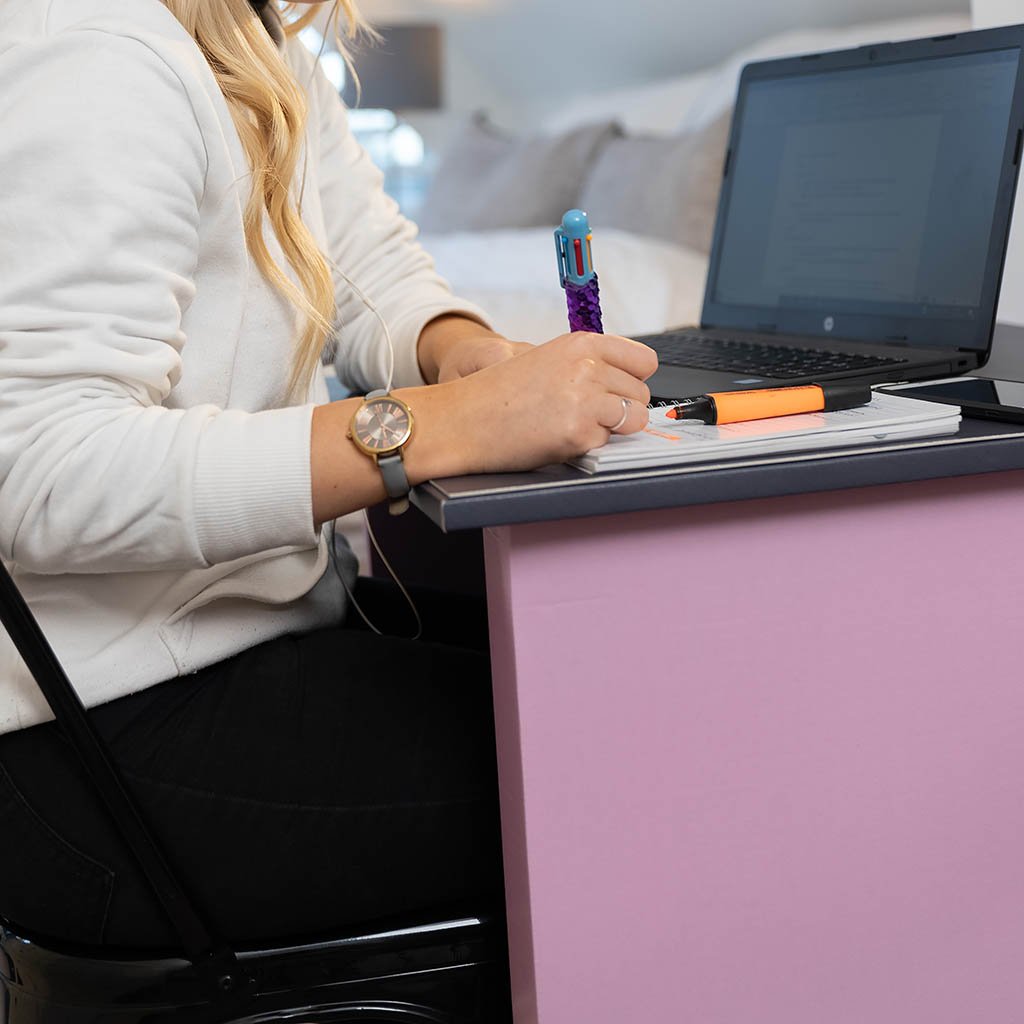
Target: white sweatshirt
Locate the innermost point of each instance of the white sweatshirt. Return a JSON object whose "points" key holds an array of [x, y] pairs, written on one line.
{"points": [[155, 495]]}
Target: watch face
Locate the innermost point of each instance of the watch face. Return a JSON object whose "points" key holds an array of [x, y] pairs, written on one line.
{"points": [[382, 425]]}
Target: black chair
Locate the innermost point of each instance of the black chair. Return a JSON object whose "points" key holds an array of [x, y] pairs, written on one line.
{"points": [[452, 971]]}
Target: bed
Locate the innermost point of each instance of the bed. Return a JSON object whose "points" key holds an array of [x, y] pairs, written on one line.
{"points": [[649, 160]]}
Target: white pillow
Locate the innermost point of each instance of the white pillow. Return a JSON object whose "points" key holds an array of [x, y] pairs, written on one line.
{"points": [[651, 109], [646, 284], [488, 179]]}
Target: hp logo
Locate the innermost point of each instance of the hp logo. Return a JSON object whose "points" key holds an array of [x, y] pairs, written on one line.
{"points": [[830, 322]]}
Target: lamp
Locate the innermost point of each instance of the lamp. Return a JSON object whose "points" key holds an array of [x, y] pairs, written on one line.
{"points": [[402, 73]]}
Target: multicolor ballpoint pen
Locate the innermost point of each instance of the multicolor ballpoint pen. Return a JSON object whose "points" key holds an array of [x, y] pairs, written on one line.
{"points": [[576, 271]]}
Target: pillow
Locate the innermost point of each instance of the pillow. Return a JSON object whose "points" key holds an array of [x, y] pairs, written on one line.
{"points": [[653, 108], [646, 285], [488, 180], [664, 188]]}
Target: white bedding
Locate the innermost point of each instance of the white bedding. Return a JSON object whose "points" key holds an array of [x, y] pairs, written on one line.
{"points": [[646, 285]]}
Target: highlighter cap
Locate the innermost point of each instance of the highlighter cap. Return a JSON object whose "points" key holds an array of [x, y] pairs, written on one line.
{"points": [[572, 245]]}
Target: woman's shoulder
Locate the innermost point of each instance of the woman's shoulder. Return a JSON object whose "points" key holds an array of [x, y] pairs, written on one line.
{"points": [[47, 17], [109, 50], [89, 73], [88, 24]]}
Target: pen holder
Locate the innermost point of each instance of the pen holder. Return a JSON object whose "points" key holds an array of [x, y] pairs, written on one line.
{"points": [[584, 302]]}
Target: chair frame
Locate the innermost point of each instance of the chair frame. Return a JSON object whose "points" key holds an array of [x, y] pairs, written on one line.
{"points": [[207, 981]]}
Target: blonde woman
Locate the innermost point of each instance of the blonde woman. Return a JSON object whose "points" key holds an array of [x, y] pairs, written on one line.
{"points": [[185, 222]]}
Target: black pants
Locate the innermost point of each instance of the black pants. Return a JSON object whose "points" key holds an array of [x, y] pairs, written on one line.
{"points": [[311, 784]]}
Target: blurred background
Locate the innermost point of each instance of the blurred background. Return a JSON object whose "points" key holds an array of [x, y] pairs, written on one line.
{"points": [[520, 61], [490, 118]]}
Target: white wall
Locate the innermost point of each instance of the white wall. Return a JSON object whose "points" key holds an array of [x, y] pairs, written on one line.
{"points": [[1011, 296], [518, 57]]}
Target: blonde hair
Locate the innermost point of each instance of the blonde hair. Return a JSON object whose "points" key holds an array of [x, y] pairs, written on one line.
{"points": [[269, 109]]}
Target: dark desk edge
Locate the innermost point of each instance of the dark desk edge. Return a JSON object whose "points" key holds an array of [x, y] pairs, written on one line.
{"points": [[561, 492]]}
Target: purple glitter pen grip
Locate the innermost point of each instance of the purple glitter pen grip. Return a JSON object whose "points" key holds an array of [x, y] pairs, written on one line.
{"points": [[584, 302]]}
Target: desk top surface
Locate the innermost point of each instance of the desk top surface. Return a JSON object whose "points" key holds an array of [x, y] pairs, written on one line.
{"points": [[561, 492]]}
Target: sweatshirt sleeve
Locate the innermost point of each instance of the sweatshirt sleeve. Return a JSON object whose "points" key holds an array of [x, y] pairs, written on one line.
{"points": [[368, 239], [102, 165]]}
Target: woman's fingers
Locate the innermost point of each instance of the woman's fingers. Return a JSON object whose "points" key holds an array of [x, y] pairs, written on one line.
{"points": [[622, 415], [552, 402], [633, 357], [619, 382], [627, 393]]}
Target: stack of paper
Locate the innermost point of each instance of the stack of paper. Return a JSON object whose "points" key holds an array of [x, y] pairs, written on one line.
{"points": [[668, 442]]}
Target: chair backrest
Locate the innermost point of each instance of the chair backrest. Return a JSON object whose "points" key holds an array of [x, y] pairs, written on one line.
{"points": [[198, 941]]}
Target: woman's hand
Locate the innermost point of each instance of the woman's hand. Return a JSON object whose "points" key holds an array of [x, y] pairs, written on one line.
{"points": [[465, 359], [545, 404], [453, 346], [528, 406]]}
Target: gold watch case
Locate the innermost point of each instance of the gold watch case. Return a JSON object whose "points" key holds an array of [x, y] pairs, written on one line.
{"points": [[381, 426]]}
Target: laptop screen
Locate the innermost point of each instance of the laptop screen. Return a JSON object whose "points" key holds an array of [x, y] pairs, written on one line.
{"points": [[867, 191]]}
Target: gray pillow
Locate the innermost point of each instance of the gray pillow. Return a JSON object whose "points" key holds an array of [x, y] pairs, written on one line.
{"points": [[662, 187], [491, 180]]}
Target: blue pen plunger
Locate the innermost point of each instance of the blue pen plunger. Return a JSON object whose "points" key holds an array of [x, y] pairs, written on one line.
{"points": [[576, 272]]}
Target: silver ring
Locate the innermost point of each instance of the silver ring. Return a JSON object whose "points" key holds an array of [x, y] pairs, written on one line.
{"points": [[625, 414]]}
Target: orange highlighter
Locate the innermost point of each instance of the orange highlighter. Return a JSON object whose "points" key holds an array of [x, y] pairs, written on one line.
{"points": [[736, 406]]}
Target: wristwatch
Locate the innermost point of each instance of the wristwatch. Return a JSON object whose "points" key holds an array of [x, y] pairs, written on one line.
{"points": [[381, 428]]}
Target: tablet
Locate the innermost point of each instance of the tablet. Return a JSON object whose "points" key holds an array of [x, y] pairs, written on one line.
{"points": [[978, 397]]}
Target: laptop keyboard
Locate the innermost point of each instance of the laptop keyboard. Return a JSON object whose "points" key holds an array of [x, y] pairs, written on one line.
{"points": [[737, 356]]}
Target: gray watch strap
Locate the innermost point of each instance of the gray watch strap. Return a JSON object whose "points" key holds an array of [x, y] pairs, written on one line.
{"points": [[392, 470], [396, 480]]}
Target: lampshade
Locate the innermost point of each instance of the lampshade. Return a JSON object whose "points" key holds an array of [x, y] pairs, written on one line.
{"points": [[403, 72]]}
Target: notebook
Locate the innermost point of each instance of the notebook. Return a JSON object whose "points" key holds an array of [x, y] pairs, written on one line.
{"points": [[667, 442]]}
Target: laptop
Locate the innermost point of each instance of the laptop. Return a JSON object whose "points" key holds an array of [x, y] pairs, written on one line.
{"points": [[863, 218]]}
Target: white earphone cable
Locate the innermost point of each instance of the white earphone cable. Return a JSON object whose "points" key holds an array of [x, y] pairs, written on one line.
{"points": [[371, 306]]}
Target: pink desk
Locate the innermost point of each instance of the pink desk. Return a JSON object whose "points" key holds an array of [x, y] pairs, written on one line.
{"points": [[762, 761]]}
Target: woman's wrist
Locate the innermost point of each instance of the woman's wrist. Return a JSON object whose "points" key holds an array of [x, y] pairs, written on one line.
{"points": [[345, 479], [441, 443], [441, 339]]}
